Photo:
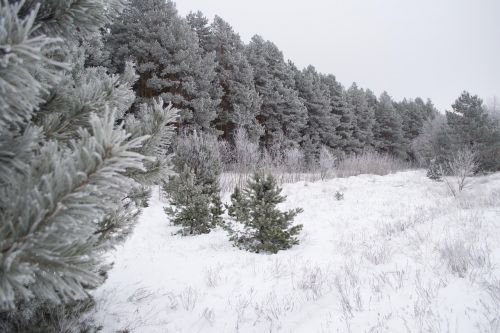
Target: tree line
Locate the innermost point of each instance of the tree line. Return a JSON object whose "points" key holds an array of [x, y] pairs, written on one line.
{"points": [[221, 84]]}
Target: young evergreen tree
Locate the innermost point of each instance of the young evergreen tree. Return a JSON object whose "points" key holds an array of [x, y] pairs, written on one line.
{"points": [[435, 171], [194, 193], [265, 228], [169, 60], [189, 203], [65, 164], [282, 114], [388, 131]]}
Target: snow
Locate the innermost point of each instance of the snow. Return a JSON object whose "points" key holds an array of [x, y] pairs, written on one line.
{"points": [[397, 254]]}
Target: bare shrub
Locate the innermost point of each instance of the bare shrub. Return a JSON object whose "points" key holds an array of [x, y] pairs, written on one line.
{"points": [[246, 152], [293, 165], [293, 160], [463, 165], [428, 145], [266, 163], [369, 162], [326, 163]]}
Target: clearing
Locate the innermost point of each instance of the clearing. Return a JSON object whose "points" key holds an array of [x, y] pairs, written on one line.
{"points": [[397, 254]]}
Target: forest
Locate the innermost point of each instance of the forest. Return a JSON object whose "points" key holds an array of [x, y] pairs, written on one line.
{"points": [[106, 106]]}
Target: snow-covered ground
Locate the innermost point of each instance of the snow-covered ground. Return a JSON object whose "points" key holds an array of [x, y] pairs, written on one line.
{"points": [[397, 254]]}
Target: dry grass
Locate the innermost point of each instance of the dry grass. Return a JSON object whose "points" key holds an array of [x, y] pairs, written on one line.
{"points": [[369, 162]]}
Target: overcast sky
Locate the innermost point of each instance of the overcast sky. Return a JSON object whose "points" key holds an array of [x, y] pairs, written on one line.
{"points": [[410, 48]]}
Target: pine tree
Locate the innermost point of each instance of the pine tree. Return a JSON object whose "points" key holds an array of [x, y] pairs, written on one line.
{"points": [[64, 162], [199, 23], [435, 171], [169, 60], [388, 128], [364, 115], [414, 114], [472, 128], [265, 228], [346, 122], [321, 121], [189, 203], [240, 103], [194, 193], [156, 121], [282, 114]]}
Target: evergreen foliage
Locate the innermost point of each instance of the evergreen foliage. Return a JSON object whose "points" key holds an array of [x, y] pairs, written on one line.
{"points": [[388, 131], [264, 227], [321, 121], [435, 171], [414, 114], [200, 25], [472, 128], [194, 193], [364, 115], [65, 164], [220, 85], [240, 103], [347, 123], [189, 203], [282, 114], [339, 196], [170, 62]]}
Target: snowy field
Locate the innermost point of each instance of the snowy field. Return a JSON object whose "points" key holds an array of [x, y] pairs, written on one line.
{"points": [[398, 254]]}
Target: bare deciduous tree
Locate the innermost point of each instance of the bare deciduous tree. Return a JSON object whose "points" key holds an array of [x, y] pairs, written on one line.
{"points": [[462, 166]]}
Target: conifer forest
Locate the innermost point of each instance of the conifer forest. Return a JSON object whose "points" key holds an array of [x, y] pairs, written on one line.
{"points": [[161, 173]]}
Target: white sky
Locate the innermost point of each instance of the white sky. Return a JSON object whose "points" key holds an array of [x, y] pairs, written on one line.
{"points": [[426, 48]]}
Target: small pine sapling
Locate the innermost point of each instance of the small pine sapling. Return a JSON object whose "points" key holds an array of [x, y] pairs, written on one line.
{"points": [[339, 195], [189, 204], [435, 171], [263, 228], [194, 194]]}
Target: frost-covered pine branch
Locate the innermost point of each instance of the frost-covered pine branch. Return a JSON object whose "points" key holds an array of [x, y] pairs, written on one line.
{"points": [[47, 227], [65, 162], [155, 120]]}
